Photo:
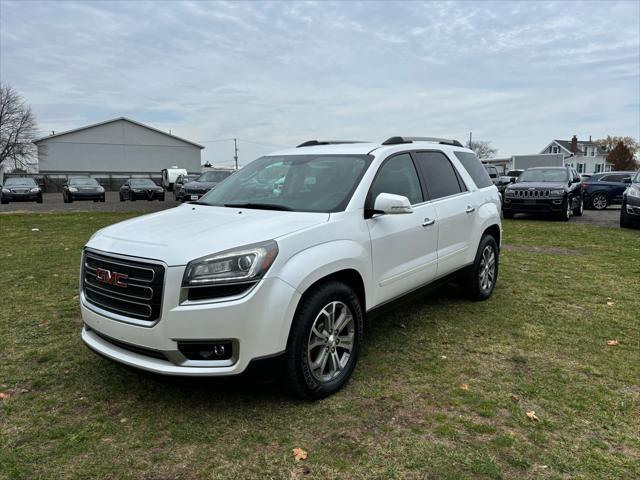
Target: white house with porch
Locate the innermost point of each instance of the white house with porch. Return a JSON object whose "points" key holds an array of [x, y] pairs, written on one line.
{"points": [[584, 156]]}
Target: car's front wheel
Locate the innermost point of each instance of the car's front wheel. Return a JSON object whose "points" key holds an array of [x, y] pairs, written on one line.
{"points": [[565, 214], [324, 341], [579, 210]]}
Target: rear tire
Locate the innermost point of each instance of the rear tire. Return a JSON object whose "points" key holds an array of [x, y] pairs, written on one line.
{"points": [[480, 282], [320, 361], [599, 201]]}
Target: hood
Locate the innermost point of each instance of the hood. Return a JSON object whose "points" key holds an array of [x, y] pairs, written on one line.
{"points": [[200, 185], [179, 235], [537, 185]]}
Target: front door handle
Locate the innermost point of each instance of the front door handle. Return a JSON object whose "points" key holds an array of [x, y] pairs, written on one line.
{"points": [[428, 222], [470, 209]]}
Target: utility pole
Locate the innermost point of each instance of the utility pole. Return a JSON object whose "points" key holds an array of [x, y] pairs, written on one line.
{"points": [[235, 146], [470, 133]]}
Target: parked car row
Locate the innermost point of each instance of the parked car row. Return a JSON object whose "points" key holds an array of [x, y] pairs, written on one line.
{"points": [[20, 189]]}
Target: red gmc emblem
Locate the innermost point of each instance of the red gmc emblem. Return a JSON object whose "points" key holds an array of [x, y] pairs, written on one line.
{"points": [[111, 278]]}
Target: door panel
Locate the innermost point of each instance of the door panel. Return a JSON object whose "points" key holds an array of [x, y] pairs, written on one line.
{"points": [[403, 251]]}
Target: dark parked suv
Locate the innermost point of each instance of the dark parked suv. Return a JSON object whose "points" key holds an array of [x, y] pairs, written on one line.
{"points": [[604, 189], [20, 189], [630, 211], [550, 190]]}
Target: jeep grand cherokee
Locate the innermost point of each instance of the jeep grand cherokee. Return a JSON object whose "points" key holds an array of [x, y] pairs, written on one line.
{"points": [[287, 256]]}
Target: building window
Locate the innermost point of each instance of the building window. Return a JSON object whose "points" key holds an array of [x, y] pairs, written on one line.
{"points": [[555, 149], [580, 167], [593, 152], [598, 168]]}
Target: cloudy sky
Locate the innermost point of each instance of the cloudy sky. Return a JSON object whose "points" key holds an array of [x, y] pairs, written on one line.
{"points": [[274, 74]]}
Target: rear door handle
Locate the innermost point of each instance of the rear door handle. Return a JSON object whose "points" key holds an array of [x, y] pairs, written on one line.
{"points": [[428, 222], [470, 209]]}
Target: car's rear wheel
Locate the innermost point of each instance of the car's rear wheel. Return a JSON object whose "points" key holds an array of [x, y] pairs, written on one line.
{"points": [[324, 341], [481, 279], [599, 201], [579, 210]]}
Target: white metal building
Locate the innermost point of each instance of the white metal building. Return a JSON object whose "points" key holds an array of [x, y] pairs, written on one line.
{"points": [[118, 147]]}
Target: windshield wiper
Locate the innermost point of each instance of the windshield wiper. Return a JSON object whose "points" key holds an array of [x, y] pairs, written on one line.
{"points": [[259, 206]]}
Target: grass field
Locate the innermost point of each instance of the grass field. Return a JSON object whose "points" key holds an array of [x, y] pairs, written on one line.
{"points": [[564, 291]]}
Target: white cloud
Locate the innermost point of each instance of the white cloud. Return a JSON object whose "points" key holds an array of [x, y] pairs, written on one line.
{"points": [[278, 73]]}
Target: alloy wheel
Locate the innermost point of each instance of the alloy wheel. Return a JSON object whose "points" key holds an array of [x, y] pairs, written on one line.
{"points": [[599, 202], [487, 268], [331, 341]]}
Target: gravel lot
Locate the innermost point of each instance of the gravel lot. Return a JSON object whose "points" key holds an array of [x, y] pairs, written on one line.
{"points": [[53, 203]]}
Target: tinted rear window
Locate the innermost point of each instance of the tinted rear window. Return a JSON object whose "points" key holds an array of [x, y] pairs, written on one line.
{"points": [[475, 169], [438, 173]]}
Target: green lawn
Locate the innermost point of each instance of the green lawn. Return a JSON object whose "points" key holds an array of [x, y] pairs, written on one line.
{"points": [[68, 413]]}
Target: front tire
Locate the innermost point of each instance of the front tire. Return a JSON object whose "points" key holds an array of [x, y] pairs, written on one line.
{"points": [[579, 210], [565, 215], [481, 279], [324, 341], [624, 221]]}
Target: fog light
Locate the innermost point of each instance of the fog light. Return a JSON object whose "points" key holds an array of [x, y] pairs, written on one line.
{"points": [[206, 350]]}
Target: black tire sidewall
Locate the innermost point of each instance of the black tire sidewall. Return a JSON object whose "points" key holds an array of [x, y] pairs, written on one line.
{"points": [[298, 374], [472, 282]]}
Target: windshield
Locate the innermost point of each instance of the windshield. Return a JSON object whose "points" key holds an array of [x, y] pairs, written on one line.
{"points": [[513, 173], [142, 182], [189, 178], [20, 182], [213, 177], [87, 182], [544, 175], [636, 179], [305, 183]]}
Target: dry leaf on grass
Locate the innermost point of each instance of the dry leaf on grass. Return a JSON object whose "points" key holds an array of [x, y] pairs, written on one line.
{"points": [[532, 416], [610, 304], [613, 343], [300, 454], [464, 386], [4, 395], [514, 397]]}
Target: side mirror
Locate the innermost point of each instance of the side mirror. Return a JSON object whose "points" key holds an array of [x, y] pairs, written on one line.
{"points": [[512, 180], [392, 204], [576, 180]]}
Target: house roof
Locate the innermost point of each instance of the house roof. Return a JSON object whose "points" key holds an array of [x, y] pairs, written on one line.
{"points": [[566, 144], [48, 137]]}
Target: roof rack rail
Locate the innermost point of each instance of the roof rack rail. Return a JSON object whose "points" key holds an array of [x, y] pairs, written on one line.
{"points": [[315, 143], [399, 140]]}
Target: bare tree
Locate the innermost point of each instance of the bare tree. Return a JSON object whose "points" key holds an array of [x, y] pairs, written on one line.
{"points": [[483, 150], [610, 143], [18, 128]]}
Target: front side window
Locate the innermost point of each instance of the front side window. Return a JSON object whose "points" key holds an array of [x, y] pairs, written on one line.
{"points": [[544, 175], [476, 170], [399, 177], [440, 176], [304, 183]]}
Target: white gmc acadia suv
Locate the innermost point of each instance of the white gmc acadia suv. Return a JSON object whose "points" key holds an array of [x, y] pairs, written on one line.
{"points": [[285, 258]]}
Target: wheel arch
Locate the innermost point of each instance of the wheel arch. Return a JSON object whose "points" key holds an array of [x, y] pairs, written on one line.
{"points": [[494, 231]]}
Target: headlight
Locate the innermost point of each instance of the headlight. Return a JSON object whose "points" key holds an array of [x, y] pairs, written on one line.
{"points": [[136, 190], [100, 189], [633, 192], [508, 192], [35, 190], [240, 264], [73, 189], [6, 190], [556, 193]]}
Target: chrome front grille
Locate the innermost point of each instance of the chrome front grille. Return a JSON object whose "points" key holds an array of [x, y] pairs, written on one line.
{"points": [[531, 193], [130, 288]]}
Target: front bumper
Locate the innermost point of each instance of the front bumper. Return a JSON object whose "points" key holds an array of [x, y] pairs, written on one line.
{"points": [[21, 197], [257, 324], [144, 195], [85, 195], [531, 205]]}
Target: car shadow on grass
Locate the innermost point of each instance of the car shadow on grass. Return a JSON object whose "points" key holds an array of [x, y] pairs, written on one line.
{"points": [[266, 382]]}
